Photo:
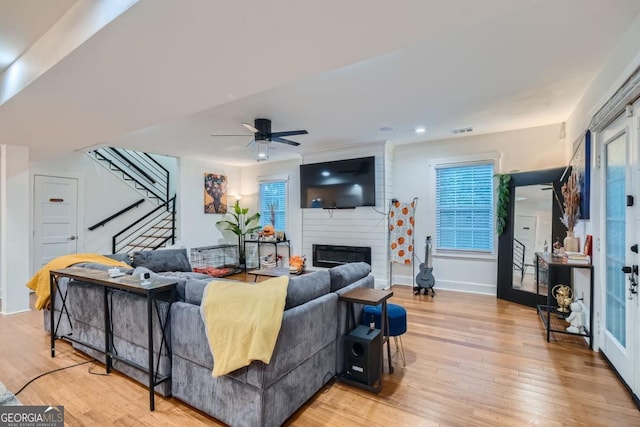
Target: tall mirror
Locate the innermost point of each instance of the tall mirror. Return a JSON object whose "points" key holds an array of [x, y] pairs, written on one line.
{"points": [[533, 218], [532, 215]]}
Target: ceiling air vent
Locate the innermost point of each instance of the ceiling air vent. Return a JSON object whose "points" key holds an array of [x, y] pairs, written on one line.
{"points": [[462, 130]]}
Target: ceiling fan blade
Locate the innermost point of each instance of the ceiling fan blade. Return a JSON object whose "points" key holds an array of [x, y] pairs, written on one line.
{"points": [[285, 141], [289, 133], [251, 128], [253, 141]]}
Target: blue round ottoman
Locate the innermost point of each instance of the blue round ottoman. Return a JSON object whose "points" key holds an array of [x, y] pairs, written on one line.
{"points": [[397, 316]]}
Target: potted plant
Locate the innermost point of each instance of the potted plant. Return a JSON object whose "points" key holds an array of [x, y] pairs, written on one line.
{"points": [[240, 223]]}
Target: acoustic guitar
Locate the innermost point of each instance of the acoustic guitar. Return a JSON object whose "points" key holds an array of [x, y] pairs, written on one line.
{"points": [[425, 279]]}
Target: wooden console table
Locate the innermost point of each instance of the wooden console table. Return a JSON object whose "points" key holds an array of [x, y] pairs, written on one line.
{"points": [[367, 296], [152, 291]]}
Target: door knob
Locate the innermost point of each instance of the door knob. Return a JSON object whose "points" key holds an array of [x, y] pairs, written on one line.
{"points": [[72, 238]]}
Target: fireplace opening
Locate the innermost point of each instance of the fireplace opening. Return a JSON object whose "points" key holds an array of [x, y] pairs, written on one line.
{"points": [[331, 255]]}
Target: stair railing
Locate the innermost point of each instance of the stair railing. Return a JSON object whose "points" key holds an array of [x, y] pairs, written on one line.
{"points": [[141, 169], [117, 214], [151, 231]]}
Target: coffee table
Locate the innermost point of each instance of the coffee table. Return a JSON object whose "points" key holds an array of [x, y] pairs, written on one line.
{"points": [[275, 272]]}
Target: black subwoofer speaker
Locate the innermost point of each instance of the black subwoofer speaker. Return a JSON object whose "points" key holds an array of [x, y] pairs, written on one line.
{"points": [[362, 355]]}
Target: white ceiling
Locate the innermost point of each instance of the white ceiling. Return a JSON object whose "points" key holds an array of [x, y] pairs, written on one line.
{"points": [[22, 22], [165, 75]]}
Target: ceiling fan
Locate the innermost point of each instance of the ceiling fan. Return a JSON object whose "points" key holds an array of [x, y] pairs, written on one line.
{"points": [[262, 133]]}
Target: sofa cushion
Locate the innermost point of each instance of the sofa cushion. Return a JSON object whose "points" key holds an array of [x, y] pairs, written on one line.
{"points": [[120, 257], [344, 275], [307, 287], [162, 260]]}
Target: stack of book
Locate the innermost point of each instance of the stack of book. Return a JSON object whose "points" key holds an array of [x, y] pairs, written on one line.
{"points": [[577, 258]]}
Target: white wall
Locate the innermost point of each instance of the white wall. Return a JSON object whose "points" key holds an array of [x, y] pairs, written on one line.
{"points": [[195, 228], [14, 228], [520, 150]]}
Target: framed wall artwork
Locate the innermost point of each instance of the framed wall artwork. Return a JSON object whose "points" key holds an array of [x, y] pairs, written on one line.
{"points": [[215, 193], [581, 164]]}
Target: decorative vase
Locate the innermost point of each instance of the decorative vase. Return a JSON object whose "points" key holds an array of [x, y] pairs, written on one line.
{"points": [[571, 242]]}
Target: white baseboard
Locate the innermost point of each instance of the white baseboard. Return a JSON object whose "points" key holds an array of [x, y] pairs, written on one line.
{"points": [[381, 283], [449, 285]]}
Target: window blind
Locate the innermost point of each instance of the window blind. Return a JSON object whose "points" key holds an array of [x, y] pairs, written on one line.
{"points": [[273, 194], [464, 207]]}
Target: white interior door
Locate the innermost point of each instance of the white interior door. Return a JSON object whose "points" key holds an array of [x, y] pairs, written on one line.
{"points": [[619, 164], [55, 218], [525, 231]]}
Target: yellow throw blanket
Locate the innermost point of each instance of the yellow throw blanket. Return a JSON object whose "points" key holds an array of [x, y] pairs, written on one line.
{"points": [[40, 281], [242, 321]]}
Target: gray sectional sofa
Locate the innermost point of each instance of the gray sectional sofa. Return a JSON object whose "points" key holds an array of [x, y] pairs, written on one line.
{"points": [[307, 355]]}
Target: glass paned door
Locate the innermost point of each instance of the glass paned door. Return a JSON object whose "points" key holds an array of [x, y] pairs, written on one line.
{"points": [[616, 244], [619, 339]]}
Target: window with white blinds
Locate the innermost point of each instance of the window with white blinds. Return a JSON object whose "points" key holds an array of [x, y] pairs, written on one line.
{"points": [[464, 207], [273, 204]]}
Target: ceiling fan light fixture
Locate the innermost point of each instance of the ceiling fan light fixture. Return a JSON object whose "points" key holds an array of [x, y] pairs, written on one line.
{"points": [[262, 151]]}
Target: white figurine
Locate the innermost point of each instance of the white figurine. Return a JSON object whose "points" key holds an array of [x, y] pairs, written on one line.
{"points": [[576, 318]]}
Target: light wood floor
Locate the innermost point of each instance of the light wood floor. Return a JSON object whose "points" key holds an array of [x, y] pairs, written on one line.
{"points": [[472, 360]]}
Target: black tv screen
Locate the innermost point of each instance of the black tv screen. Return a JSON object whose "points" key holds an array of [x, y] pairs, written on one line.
{"points": [[339, 184]]}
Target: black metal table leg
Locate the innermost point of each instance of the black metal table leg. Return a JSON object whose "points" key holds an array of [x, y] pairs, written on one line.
{"points": [[385, 333], [52, 296], [152, 405], [54, 288], [107, 330]]}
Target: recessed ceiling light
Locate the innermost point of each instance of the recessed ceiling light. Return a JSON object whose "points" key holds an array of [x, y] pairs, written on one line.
{"points": [[420, 129], [385, 129], [325, 173]]}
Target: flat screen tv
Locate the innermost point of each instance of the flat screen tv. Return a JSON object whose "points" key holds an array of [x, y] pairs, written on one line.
{"points": [[339, 184]]}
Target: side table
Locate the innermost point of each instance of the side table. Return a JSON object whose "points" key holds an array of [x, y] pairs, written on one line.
{"points": [[367, 296]]}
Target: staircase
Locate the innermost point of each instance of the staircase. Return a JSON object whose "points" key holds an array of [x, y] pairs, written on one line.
{"points": [[149, 178], [152, 231], [139, 170]]}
